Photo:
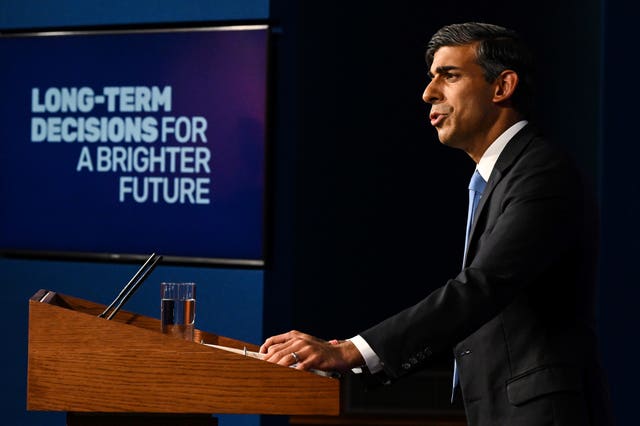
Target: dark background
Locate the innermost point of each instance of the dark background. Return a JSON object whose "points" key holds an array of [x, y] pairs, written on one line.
{"points": [[380, 205], [370, 208]]}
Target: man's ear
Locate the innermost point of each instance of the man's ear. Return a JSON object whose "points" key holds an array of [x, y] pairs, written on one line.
{"points": [[505, 85]]}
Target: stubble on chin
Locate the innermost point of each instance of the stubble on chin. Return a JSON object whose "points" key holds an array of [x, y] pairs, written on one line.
{"points": [[450, 140], [443, 136]]}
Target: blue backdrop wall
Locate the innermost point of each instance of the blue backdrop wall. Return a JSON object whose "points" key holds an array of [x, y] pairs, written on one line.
{"points": [[230, 301], [43, 13]]}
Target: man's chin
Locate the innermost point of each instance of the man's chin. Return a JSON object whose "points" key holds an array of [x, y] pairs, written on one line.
{"points": [[443, 137], [446, 140]]}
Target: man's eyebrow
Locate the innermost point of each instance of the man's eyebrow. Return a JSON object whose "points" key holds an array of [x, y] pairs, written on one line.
{"points": [[442, 70]]}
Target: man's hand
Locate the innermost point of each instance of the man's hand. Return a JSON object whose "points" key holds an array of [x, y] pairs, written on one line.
{"points": [[309, 352]]}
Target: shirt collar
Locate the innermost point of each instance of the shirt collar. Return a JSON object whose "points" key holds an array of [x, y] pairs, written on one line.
{"points": [[490, 156]]}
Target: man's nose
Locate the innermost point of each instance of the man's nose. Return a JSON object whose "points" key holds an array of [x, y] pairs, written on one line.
{"points": [[431, 95]]}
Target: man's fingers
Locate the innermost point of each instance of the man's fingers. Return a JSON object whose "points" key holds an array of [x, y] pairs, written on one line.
{"points": [[280, 338]]}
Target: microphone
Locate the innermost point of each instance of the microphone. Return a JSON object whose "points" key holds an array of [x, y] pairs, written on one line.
{"points": [[132, 286]]}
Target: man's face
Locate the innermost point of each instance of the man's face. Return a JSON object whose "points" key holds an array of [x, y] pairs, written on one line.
{"points": [[462, 110]]}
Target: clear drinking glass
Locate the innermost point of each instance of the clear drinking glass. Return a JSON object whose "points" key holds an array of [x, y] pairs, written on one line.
{"points": [[178, 309]]}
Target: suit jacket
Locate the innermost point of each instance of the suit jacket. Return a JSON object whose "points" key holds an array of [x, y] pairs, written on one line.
{"points": [[520, 316]]}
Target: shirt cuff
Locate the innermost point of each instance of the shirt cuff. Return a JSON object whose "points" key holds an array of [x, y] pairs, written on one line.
{"points": [[370, 358]]}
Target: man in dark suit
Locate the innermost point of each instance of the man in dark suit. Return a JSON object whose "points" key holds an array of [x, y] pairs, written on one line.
{"points": [[520, 316]]}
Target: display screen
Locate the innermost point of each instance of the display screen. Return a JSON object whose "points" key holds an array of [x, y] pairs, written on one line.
{"points": [[130, 142]]}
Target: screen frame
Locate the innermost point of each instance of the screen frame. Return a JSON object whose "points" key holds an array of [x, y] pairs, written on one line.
{"points": [[267, 202]]}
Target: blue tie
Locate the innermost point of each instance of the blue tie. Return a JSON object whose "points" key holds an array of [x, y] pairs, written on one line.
{"points": [[476, 188]]}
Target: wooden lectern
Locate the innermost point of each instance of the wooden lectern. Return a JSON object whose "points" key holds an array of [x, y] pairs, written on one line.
{"points": [[125, 371]]}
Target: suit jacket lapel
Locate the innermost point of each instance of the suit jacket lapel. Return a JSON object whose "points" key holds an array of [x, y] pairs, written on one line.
{"points": [[507, 157]]}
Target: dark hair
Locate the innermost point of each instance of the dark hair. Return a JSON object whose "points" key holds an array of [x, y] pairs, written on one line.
{"points": [[498, 49]]}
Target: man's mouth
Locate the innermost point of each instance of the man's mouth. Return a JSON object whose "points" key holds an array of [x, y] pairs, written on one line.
{"points": [[437, 118], [439, 114]]}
